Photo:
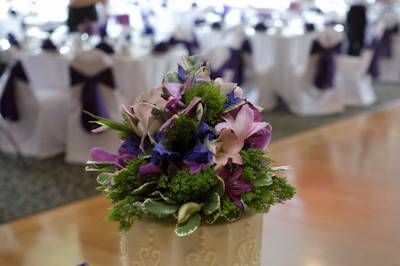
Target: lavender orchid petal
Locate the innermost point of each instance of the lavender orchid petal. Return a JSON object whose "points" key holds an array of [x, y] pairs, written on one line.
{"points": [[104, 156], [260, 139], [175, 89]]}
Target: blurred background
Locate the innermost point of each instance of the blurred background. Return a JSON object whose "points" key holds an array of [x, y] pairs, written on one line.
{"points": [[308, 63]]}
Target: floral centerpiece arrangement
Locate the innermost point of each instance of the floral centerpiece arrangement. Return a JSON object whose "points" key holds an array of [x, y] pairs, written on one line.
{"points": [[193, 149]]}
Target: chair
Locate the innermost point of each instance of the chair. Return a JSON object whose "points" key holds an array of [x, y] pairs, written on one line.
{"points": [[318, 90], [91, 90], [35, 118], [354, 70], [390, 61], [46, 70], [133, 75], [262, 62]]}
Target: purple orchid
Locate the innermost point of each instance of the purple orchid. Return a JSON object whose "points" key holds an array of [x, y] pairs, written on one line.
{"points": [[120, 160], [197, 158], [260, 139], [257, 115], [235, 187]]}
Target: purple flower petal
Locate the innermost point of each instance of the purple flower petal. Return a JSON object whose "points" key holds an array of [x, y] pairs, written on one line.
{"points": [[149, 169], [195, 167], [102, 155], [234, 185], [175, 89], [260, 139], [256, 113]]}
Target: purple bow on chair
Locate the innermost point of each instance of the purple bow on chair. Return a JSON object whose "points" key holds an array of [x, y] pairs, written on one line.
{"points": [[91, 98], [122, 19], [8, 101], [191, 46], [326, 65], [48, 45], [13, 40], [234, 63], [148, 29], [387, 41], [105, 47], [374, 67], [89, 27]]}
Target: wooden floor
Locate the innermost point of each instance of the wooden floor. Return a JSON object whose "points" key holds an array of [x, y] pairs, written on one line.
{"points": [[346, 212]]}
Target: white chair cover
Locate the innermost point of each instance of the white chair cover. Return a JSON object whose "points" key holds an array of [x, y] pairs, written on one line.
{"points": [[357, 82], [78, 140], [40, 130], [133, 75], [47, 70], [305, 98], [390, 67], [262, 62]]}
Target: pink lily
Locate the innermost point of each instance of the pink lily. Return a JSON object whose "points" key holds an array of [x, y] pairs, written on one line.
{"points": [[227, 147], [243, 125]]}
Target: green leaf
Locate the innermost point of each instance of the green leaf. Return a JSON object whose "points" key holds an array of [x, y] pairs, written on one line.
{"points": [[162, 196], [210, 219], [104, 178], [220, 187], [159, 209], [92, 166], [110, 123], [212, 204], [171, 76], [187, 210], [145, 188], [189, 227], [263, 181]]}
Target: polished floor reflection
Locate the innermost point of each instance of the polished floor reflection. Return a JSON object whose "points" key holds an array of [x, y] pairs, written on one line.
{"points": [[346, 211]]}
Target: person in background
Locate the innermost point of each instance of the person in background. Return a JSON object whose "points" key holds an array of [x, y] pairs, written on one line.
{"points": [[81, 11], [356, 26]]}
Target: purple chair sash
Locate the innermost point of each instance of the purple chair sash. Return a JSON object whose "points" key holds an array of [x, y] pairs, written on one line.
{"points": [[48, 45], [13, 40], [199, 22], [387, 41], [246, 47], [148, 29], [374, 67], [216, 26], [89, 27], [8, 101], [326, 65], [161, 47], [91, 98], [105, 47], [234, 63], [191, 46], [122, 19], [309, 27], [260, 27]]}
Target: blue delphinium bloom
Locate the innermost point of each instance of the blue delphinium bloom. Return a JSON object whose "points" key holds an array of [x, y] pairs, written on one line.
{"points": [[198, 157], [131, 146], [181, 73], [232, 99], [159, 150], [204, 131]]}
